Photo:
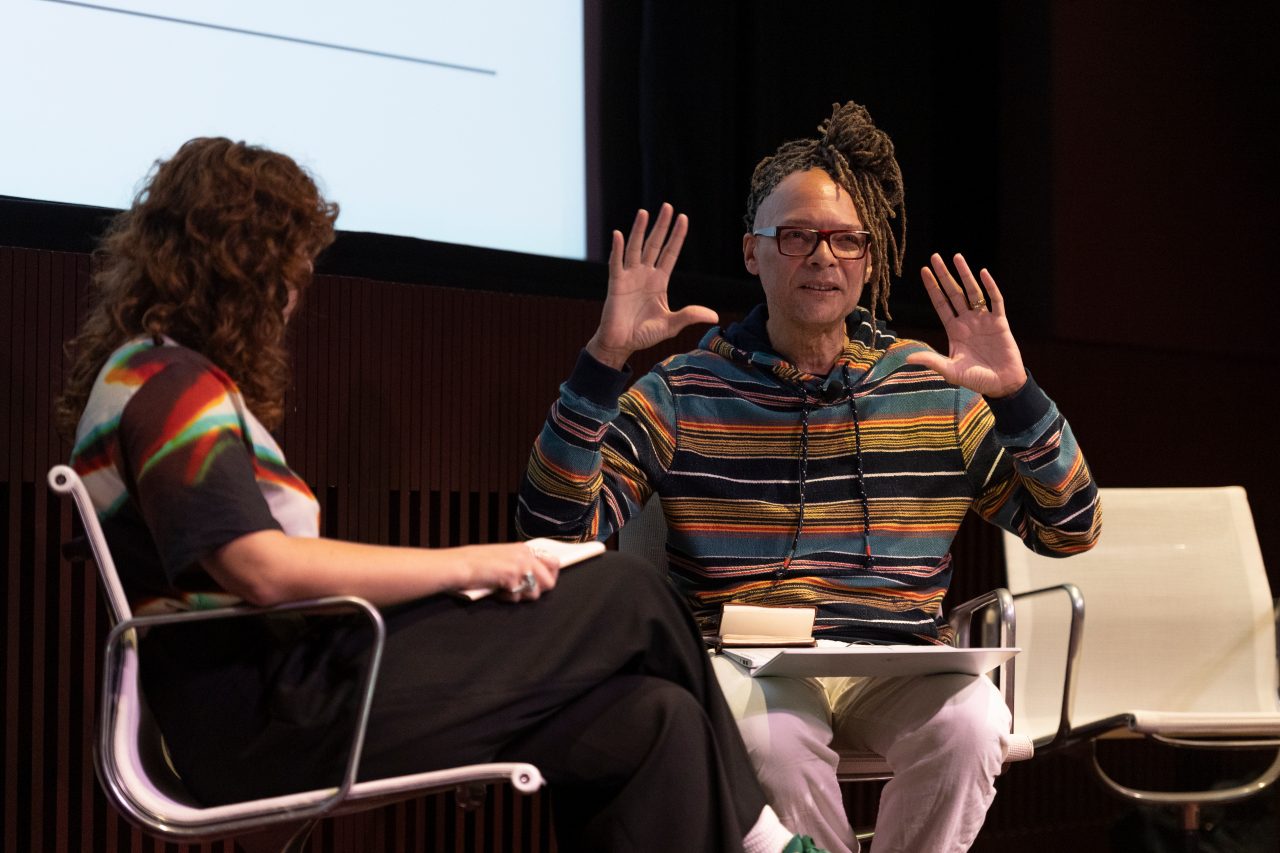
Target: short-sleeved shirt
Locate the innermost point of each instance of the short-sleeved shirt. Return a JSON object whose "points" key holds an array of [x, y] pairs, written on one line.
{"points": [[177, 467]]}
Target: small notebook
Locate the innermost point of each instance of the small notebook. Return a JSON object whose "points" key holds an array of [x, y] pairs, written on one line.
{"points": [[750, 625], [567, 552]]}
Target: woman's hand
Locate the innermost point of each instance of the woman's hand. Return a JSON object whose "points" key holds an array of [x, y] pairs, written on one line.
{"points": [[636, 315], [982, 354], [507, 569]]}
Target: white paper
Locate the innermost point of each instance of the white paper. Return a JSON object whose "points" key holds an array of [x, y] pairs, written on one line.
{"points": [[567, 552]]}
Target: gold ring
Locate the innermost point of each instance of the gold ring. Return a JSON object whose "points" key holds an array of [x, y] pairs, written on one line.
{"points": [[980, 303]]}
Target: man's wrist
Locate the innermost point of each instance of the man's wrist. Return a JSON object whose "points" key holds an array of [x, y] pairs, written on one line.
{"points": [[617, 359], [1020, 410], [1010, 389], [598, 382]]}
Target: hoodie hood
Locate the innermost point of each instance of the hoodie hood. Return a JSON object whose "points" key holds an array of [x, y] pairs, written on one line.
{"points": [[747, 342]]}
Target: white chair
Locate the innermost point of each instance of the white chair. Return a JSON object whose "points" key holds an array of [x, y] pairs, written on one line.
{"points": [[645, 536], [129, 753], [1179, 643]]}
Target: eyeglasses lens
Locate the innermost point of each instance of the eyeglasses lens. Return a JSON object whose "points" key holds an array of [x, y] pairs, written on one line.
{"points": [[848, 245]]}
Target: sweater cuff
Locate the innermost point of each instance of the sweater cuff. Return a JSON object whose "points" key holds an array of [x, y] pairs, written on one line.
{"points": [[1021, 410], [597, 382]]}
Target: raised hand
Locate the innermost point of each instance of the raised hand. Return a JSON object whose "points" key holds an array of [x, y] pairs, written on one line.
{"points": [[982, 354], [636, 314]]}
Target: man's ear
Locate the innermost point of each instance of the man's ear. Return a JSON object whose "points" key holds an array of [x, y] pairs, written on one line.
{"points": [[749, 253]]}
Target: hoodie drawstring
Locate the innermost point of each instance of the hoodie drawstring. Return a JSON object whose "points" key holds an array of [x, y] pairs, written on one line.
{"points": [[805, 408], [804, 472], [857, 461]]}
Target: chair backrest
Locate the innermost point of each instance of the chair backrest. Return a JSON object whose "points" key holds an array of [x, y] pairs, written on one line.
{"points": [[128, 753], [65, 481], [1178, 612], [130, 761]]}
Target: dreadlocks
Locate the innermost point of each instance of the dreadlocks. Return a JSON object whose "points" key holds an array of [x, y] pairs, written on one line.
{"points": [[859, 158]]}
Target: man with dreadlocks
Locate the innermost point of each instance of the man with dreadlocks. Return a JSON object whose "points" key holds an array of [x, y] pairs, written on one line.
{"points": [[808, 456]]}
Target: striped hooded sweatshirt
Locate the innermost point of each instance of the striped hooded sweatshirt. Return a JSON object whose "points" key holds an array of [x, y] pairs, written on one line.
{"points": [[779, 487]]}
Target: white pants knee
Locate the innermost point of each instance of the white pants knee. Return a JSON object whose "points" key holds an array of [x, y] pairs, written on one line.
{"points": [[944, 736]]}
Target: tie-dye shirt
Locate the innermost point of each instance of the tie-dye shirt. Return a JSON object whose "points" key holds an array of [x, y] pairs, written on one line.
{"points": [[177, 467]]}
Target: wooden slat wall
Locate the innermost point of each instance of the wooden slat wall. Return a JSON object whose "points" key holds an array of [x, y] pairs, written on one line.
{"points": [[412, 413]]}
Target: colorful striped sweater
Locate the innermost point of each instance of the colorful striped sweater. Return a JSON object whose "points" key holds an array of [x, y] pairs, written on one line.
{"points": [[779, 487]]}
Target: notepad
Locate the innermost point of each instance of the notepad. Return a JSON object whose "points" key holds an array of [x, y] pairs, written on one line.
{"points": [[567, 552], [863, 660], [751, 625]]}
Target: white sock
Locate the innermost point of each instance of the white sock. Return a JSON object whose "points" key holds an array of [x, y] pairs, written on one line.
{"points": [[768, 835]]}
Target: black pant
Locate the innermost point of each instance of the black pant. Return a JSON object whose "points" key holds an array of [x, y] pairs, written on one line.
{"points": [[602, 683]]}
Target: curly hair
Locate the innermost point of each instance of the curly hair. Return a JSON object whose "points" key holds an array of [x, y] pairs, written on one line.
{"points": [[209, 253], [859, 158]]}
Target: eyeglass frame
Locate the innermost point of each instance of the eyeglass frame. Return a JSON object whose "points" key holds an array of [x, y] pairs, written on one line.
{"points": [[823, 236]]}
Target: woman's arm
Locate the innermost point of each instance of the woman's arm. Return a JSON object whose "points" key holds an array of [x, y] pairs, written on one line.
{"points": [[269, 567], [188, 446]]}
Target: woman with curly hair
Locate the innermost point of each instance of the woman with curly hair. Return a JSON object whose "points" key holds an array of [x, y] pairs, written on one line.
{"points": [[178, 374]]}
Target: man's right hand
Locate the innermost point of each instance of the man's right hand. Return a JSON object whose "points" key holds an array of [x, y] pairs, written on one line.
{"points": [[636, 315]]}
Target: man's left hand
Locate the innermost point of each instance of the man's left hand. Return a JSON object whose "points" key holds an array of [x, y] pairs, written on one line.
{"points": [[982, 354]]}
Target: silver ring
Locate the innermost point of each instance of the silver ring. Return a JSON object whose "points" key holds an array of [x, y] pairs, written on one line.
{"points": [[528, 584]]}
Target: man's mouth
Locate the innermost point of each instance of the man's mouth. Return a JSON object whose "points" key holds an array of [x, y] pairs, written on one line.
{"points": [[820, 287]]}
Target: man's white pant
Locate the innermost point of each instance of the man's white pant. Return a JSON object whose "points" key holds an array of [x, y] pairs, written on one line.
{"points": [[944, 736]]}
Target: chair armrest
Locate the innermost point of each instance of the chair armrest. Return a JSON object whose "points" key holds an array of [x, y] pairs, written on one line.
{"points": [[1062, 736], [962, 616], [999, 628], [124, 635]]}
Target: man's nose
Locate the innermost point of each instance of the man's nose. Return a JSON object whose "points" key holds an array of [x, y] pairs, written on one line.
{"points": [[822, 254]]}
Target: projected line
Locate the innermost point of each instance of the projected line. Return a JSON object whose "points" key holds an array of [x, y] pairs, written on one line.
{"points": [[276, 36]]}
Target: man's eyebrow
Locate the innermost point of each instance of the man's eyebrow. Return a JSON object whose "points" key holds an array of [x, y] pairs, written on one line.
{"points": [[808, 223]]}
